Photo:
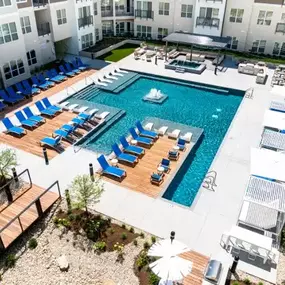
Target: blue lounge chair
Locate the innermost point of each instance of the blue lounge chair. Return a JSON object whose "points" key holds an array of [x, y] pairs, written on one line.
{"points": [[136, 150], [141, 140], [76, 65], [156, 179], [62, 69], [20, 88], [54, 143], [48, 105], [165, 163], [43, 110], [7, 99], [146, 133], [124, 157], [80, 63], [53, 78], [64, 135], [28, 112], [44, 80], [13, 94], [69, 128], [70, 69], [111, 170], [181, 143], [13, 129], [173, 155], [79, 121], [25, 122], [33, 89], [37, 83], [2, 106], [59, 76]]}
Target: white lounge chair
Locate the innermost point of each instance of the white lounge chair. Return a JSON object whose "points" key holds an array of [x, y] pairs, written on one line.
{"points": [[187, 137], [107, 75], [116, 73], [120, 70], [99, 83], [101, 78], [162, 130], [148, 126], [72, 107], [92, 112], [174, 134], [63, 105], [102, 115], [81, 109]]}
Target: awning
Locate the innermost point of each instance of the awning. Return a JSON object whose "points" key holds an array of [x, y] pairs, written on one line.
{"points": [[273, 119], [199, 40], [267, 163]]}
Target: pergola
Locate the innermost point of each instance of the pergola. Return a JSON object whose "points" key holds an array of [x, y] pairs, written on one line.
{"points": [[197, 40]]}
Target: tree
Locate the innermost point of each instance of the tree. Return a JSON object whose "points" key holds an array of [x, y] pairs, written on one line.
{"points": [[8, 160], [84, 191]]}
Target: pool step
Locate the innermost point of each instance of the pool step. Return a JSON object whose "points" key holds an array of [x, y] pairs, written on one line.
{"points": [[87, 93], [126, 84], [179, 70]]}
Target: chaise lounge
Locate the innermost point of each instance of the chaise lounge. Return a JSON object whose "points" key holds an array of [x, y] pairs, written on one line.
{"points": [[141, 140], [13, 129], [145, 133], [124, 157], [136, 150]]}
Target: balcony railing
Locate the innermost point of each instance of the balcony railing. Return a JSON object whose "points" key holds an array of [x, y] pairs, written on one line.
{"points": [[86, 21], [106, 12], [209, 22], [221, 1], [127, 11], [280, 28], [44, 29], [40, 3], [145, 14]]}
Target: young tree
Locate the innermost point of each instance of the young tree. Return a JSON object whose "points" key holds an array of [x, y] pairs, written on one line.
{"points": [[84, 191], [8, 160]]}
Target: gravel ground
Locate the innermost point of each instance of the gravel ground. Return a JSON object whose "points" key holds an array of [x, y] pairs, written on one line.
{"points": [[39, 266], [241, 275]]}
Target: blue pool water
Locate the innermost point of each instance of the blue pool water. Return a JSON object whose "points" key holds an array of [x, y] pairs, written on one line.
{"points": [[211, 111]]}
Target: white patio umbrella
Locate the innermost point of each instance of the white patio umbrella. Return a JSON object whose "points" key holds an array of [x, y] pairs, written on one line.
{"points": [[278, 90], [273, 119]]}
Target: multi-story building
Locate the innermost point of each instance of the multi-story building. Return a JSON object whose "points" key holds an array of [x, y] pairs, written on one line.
{"points": [[34, 33]]}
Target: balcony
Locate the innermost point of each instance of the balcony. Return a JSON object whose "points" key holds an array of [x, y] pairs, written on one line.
{"points": [[221, 1], [280, 28], [144, 14], [106, 11], [40, 3], [86, 21], [209, 22], [127, 11], [43, 29]]}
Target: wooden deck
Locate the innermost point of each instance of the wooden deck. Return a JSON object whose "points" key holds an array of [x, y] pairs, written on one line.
{"points": [[138, 177], [198, 267], [30, 141], [28, 217]]}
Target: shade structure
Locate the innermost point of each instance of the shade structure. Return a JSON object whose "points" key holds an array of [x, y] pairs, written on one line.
{"points": [[171, 268], [267, 163], [278, 90], [275, 120]]}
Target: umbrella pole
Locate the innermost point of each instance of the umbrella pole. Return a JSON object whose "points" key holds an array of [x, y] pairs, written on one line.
{"points": [[172, 236]]}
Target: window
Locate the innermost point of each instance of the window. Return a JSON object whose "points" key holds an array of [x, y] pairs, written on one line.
{"points": [[87, 41], [279, 49], [84, 12], [162, 32], [31, 56], [21, 1], [106, 5], [97, 35], [163, 8], [208, 12], [13, 68], [61, 16], [234, 43], [143, 31], [258, 46], [85, 17], [144, 5], [5, 3], [120, 28], [8, 33], [236, 15], [25, 24], [107, 28], [95, 7], [186, 11], [264, 18]]}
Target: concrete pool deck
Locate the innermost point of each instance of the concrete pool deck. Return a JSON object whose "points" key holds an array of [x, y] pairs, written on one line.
{"points": [[213, 212]]}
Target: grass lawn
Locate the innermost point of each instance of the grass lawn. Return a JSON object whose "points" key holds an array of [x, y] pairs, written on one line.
{"points": [[119, 53]]}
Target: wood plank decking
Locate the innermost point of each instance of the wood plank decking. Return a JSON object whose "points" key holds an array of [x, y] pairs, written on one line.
{"points": [[28, 217], [138, 177], [30, 141]]}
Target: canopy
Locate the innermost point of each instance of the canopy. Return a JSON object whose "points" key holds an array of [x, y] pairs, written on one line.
{"points": [[273, 119], [267, 163], [196, 39]]}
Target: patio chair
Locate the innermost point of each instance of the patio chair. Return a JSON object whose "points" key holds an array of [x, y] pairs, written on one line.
{"points": [[59, 76], [97, 82], [44, 80], [277, 106], [141, 140], [124, 157], [102, 79], [45, 111], [174, 134], [41, 85], [102, 115], [145, 133], [28, 112], [13, 94], [112, 171], [2, 106], [156, 179], [71, 129], [116, 73], [8, 99], [136, 150], [10, 128], [25, 122], [63, 71], [108, 76], [63, 135], [162, 130], [173, 155], [187, 137], [181, 144], [87, 116], [54, 143], [56, 79], [33, 89], [70, 69], [80, 63], [120, 70], [25, 92], [48, 105], [77, 66], [165, 163]]}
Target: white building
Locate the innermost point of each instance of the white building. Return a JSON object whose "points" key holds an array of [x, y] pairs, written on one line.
{"points": [[33, 33]]}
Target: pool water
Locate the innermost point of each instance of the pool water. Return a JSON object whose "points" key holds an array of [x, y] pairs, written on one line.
{"points": [[209, 110], [185, 63]]}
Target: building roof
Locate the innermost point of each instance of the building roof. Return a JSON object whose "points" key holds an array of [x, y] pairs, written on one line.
{"points": [[196, 39]]}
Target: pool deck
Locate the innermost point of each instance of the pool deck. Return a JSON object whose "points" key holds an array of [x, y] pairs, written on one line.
{"points": [[213, 212]]}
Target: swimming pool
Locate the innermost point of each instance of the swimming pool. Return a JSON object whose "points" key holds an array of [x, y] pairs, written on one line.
{"points": [[186, 65], [207, 109]]}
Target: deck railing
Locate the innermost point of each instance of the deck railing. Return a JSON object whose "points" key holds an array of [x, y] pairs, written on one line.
{"points": [[209, 22], [144, 14]]}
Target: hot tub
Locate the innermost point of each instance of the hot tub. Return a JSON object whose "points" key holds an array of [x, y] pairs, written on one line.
{"points": [[186, 66]]}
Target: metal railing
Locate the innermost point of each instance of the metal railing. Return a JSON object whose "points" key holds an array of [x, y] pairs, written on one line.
{"points": [[215, 1], [43, 29], [72, 88], [40, 3], [85, 21], [40, 212], [88, 77], [145, 14], [209, 22], [106, 13], [280, 28], [127, 11]]}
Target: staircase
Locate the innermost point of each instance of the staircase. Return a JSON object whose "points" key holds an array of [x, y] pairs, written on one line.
{"points": [[87, 93]]}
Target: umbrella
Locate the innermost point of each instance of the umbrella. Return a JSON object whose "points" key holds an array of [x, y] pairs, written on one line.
{"points": [[171, 268]]}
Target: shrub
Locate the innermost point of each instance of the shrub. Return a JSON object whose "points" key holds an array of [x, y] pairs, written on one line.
{"points": [[99, 246], [123, 226], [124, 236], [235, 283], [109, 220], [153, 279], [132, 230], [153, 239], [71, 217], [32, 243], [246, 281], [260, 283], [68, 201], [142, 235], [10, 260], [112, 230], [55, 220], [120, 251], [146, 245], [142, 260], [77, 218], [135, 242]]}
